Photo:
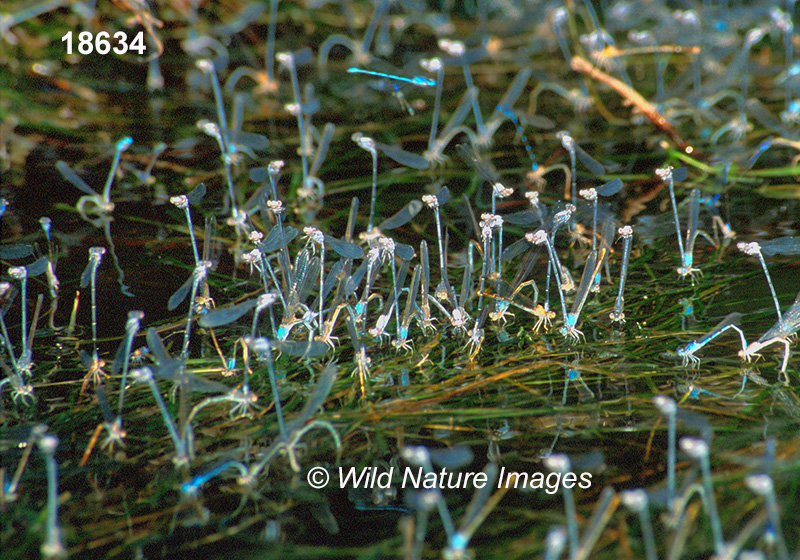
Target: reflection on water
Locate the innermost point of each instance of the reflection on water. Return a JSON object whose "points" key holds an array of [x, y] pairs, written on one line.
{"points": [[236, 279]]}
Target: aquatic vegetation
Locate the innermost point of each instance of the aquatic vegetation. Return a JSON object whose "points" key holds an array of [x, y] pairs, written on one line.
{"points": [[233, 421]]}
